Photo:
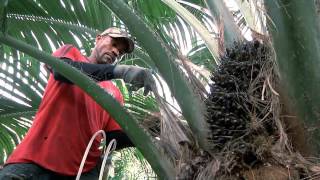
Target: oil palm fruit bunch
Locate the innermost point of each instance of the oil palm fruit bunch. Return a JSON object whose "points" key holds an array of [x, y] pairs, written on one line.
{"points": [[235, 100]]}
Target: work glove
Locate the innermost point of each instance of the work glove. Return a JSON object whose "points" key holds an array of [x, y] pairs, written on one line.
{"points": [[136, 76]]}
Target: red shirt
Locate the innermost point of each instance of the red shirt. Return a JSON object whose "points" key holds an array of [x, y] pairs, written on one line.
{"points": [[64, 124]]}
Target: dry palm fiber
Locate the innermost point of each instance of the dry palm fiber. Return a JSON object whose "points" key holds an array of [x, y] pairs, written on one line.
{"points": [[173, 131]]}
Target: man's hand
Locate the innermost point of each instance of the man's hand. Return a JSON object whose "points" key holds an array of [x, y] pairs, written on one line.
{"points": [[136, 76]]}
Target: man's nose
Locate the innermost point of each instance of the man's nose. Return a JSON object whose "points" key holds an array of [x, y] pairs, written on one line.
{"points": [[115, 52]]}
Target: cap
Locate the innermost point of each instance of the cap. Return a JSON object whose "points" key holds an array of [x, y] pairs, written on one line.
{"points": [[117, 33]]}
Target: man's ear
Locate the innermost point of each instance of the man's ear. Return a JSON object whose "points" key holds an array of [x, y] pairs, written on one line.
{"points": [[98, 37]]}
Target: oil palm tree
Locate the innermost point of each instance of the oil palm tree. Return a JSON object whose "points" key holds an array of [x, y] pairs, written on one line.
{"points": [[32, 29]]}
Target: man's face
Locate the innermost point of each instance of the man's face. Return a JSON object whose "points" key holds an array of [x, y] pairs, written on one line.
{"points": [[108, 49]]}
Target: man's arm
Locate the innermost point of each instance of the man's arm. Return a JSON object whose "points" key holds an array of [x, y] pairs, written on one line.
{"points": [[136, 76], [98, 72]]}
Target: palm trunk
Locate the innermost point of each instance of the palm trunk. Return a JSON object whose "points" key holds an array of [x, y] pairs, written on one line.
{"points": [[295, 35]]}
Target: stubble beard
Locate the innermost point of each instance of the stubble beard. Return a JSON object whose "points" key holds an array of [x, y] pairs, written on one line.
{"points": [[103, 58]]}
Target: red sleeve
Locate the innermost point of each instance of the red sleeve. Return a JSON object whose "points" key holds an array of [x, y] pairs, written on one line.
{"points": [[112, 126], [63, 51]]}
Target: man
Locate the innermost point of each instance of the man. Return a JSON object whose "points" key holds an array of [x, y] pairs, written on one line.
{"points": [[68, 117]]}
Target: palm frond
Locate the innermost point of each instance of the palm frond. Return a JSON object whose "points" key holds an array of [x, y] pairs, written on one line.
{"points": [[209, 40], [15, 120], [130, 164]]}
